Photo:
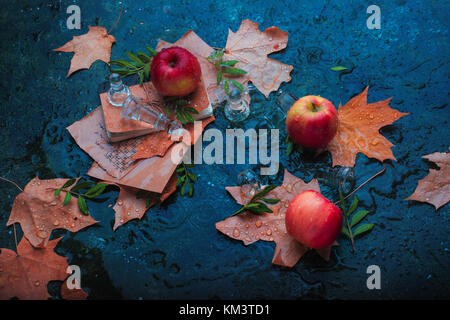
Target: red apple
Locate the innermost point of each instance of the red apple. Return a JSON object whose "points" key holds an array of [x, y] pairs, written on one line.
{"points": [[312, 121], [175, 72], [313, 220]]}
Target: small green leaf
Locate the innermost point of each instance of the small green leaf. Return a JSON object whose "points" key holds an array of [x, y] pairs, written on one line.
{"points": [[96, 190], [226, 87], [353, 206], [237, 85], [180, 180], [147, 70], [289, 148], [192, 176], [270, 201], [363, 228], [122, 63], [67, 199], [180, 116], [68, 183], [82, 205], [57, 192], [357, 217], [151, 50], [143, 57], [141, 77], [233, 71], [338, 68], [263, 192], [345, 231], [188, 117], [134, 58], [228, 63], [219, 77], [183, 188], [82, 185], [180, 170], [342, 201], [191, 110], [261, 208], [191, 189]]}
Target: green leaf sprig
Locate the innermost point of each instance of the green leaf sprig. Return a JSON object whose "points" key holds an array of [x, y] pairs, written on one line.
{"points": [[93, 192], [347, 229], [184, 113], [226, 67], [186, 178], [257, 206], [138, 63]]}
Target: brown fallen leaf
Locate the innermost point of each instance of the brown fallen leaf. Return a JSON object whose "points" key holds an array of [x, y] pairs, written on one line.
{"points": [[251, 47], [435, 187], [249, 227], [129, 207], [39, 211], [25, 274], [72, 294], [358, 131], [89, 47]]}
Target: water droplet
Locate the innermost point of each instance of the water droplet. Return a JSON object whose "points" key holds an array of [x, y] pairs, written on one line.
{"points": [[374, 142], [236, 232], [42, 234], [53, 203], [120, 202], [36, 283], [269, 232], [258, 224], [129, 213], [371, 116], [247, 225], [55, 223]]}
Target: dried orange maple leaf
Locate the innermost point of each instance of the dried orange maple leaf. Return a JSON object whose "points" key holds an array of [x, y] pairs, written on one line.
{"points": [[129, 207], [358, 131], [435, 187], [249, 227], [72, 294], [251, 47], [39, 211], [25, 274], [89, 47]]}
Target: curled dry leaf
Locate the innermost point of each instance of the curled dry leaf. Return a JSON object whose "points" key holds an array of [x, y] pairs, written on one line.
{"points": [[129, 207], [435, 187], [251, 47], [358, 131], [89, 47], [72, 294], [39, 211], [25, 274], [249, 227]]}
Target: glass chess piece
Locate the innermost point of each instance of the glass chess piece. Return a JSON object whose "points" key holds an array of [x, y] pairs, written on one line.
{"points": [[249, 182], [118, 92], [341, 178], [135, 108], [277, 117], [236, 109]]}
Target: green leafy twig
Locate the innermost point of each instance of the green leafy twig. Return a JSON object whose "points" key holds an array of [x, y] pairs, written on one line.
{"points": [[256, 206], [347, 229], [225, 67], [184, 113], [138, 63], [186, 178], [93, 192]]}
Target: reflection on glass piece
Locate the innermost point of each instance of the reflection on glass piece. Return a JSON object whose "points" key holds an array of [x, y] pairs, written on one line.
{"points": [[118, 92], [236, 109]]}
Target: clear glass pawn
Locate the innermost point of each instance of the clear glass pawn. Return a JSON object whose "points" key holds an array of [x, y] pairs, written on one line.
{"points": [[118, 92], [236, 109], [341, 178], [136, 109]]}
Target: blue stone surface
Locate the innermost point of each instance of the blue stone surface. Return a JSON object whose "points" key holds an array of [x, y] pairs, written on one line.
{"points": [[175, 251]]}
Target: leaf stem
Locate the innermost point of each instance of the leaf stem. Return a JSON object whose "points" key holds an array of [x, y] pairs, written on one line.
{"points": [[120, 13], [361, 185]]}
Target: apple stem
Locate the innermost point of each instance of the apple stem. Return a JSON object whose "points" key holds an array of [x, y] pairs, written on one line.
{"points": [[362, 184], [14, 224]]}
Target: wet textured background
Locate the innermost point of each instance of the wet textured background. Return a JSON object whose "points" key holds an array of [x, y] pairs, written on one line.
{"points": [[175, 251]]}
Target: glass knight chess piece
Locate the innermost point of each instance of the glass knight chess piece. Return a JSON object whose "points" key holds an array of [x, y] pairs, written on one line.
{"points": [[249, 182], [118, 92], [236, 109], [135, 108]]}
